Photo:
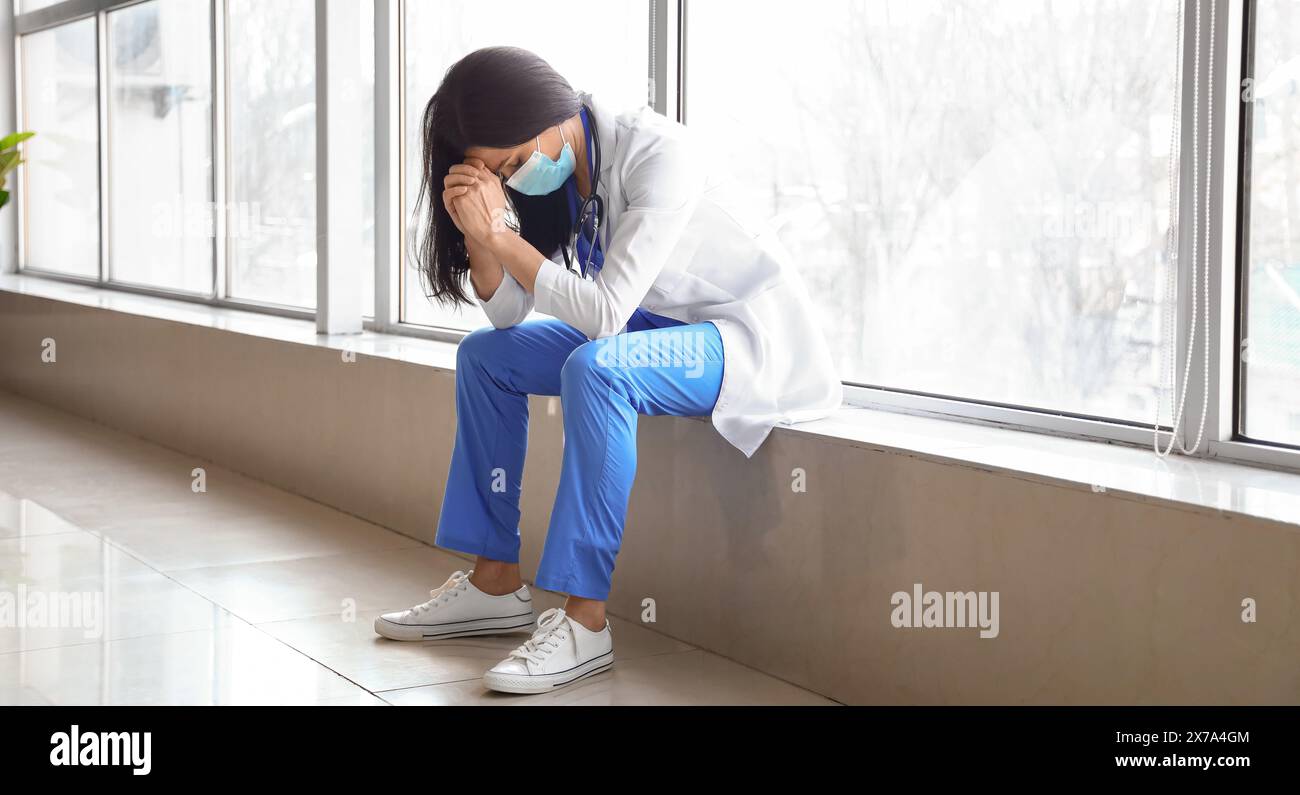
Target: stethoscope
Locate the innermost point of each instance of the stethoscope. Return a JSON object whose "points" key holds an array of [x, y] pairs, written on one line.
{"points": [[592, 209]]}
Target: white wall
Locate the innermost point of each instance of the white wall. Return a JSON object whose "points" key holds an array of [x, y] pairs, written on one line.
{"points": [[8, 124], [1105, 598]]}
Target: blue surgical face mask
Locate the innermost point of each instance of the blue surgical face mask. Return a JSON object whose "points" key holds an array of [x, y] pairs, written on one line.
{"points": [[540, 175]]}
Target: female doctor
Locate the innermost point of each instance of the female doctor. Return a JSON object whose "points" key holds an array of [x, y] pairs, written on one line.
{"points": [[660, 302]]}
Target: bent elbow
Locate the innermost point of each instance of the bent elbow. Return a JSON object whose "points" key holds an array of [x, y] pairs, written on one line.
{"points": [[607, 323], [602, 331], [507, 313]]}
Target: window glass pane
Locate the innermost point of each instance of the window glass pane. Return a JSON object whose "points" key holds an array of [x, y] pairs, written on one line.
{"points": [[61, 176], [272, 151], [975, 192], [160, 145], [1271, 352], [272, 146], [611, 62]]}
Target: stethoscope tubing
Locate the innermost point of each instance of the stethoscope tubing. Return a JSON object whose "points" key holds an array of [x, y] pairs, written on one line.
{"points": [[593, 203]]}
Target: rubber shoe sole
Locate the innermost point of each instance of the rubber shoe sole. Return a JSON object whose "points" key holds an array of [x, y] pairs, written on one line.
{"points": [[502, 625], [514, 683]]}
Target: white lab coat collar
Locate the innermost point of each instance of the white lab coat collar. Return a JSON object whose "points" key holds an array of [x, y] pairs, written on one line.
{"points": [[605, 123]]}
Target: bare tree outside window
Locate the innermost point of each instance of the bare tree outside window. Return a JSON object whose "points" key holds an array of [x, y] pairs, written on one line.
{"points": [[975, 191]]}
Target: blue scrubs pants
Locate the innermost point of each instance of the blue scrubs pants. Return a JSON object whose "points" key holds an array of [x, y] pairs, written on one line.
{"points": [[658, 366]]}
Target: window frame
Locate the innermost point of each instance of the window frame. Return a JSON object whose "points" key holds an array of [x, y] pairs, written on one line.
{"points": [[668, 29], [1235, 443], [70, 11], [17, 193]]}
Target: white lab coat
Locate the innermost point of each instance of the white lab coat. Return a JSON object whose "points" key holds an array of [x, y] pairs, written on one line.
{"points": [[673, 248]]}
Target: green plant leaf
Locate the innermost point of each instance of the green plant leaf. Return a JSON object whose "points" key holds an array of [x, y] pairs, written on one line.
{"points": [[13, 139], [4, 197]]}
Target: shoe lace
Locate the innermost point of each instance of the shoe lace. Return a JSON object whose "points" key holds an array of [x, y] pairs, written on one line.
{"points": [[443, 593], [552, 630]]}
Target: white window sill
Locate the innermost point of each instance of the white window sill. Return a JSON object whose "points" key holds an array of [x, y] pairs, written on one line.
{"points": [[1118, 470]]}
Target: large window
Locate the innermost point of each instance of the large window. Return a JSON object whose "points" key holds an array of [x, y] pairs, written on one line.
{"points": [[143, 154], [1271, 337], [272, 185], [160, 145], [978, 202], [976, 192], [271, 204], [611, 65], [61, 179]]}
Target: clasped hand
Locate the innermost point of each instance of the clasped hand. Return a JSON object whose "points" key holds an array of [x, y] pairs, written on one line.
{"points": [[476, 201]]}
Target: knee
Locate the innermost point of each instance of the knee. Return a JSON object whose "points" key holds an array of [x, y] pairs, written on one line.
{"points": [[480, 346], [587, 364]]}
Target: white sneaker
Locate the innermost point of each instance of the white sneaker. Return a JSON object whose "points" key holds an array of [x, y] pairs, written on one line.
{"points": [[560, 652], [458, 610]]}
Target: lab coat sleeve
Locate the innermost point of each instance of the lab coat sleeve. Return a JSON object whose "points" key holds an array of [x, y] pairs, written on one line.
{"points": [[509, 305], [663, 185]]}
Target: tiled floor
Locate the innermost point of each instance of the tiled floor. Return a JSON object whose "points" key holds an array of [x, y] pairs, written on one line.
{"points": [[244, 594]]}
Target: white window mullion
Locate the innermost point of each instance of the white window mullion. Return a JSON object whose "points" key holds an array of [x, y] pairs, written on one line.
{"points": [[388, 149], [220, 168], [10, 119], [339, 218], [663, 82], [1217, 139], [1220, 420], [105, 170], [1197, 161]]}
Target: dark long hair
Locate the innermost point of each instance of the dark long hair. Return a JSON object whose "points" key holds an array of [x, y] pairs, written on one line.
{"points": [[495, 97]]}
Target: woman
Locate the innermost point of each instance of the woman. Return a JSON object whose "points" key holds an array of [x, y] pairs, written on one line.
{"points": [[664, 304]]}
